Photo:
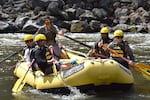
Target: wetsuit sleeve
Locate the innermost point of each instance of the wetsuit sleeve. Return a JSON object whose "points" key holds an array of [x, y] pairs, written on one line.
{"points": [[129, 52], [32, 55], [34, 66]]}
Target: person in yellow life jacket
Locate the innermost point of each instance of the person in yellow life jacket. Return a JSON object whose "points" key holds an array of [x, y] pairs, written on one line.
{"points": [[121, 47], [43, 58], [104, 40]]}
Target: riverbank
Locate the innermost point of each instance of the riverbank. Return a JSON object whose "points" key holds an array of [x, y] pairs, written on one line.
{"points": [[75, 15]]}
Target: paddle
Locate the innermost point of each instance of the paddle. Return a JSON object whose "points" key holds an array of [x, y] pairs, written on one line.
{"points": [[102, 56], [143, 65], [145, 71], [54, 66], [139, 64], [55, 70], [10, 55], [78, 41], [21, 81]]}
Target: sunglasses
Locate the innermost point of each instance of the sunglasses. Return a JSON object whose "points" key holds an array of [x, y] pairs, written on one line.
{"points": [[118, 37], [29, 41], [42, 40], [104, 34]]}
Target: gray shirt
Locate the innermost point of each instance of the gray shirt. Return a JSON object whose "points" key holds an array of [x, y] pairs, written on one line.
{"points": [[49, 33]]}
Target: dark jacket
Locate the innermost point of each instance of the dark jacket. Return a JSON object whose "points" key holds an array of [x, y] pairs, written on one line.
{"points": [[40, 56]]}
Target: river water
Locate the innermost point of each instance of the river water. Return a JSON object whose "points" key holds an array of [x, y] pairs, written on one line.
{"points": [[12, 42]]}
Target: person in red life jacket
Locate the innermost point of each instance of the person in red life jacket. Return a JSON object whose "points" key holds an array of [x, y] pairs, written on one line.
{"points": [[50, 31], [104, 40], [121, 47]]}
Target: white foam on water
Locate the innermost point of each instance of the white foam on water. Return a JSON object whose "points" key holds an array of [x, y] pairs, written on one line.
{"points": [[144, 96], [11, 39], [74, 95]]}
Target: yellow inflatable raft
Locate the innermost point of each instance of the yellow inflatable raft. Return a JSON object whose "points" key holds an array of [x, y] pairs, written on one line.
{"points": [[88, 74]]}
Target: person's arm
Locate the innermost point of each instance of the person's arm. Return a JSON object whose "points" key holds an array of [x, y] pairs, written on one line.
{"points": [[129, 52], [58, 30], [35, 65], [61, 33], [40, 30], [94, 50], [27, 55]]}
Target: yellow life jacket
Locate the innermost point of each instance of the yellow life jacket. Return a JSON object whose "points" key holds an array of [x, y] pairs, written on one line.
{"points": [[118, 50], [47, 54]]}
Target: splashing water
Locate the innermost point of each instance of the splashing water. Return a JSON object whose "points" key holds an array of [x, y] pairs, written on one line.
{"points": [[35, 94], [75, 93]]}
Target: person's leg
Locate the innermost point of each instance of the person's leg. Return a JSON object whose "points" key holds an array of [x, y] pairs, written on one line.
{"points": [[63, 66], [64, 54], [49, 70], [66, 66], [122, 62]]}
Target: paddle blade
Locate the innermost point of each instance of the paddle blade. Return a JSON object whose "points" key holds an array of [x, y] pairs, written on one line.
{"points": [[144, 71], [143, 65], [147, 76], [55, 70], [18, 85]]}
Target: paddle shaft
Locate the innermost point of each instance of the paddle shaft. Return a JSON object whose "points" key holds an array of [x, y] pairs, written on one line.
{"points": [[125, 59], [20, 82], [11, 55], [144, 71], [29, 68], [113, 51], [102, 56], [54, 67], [78, 41]]}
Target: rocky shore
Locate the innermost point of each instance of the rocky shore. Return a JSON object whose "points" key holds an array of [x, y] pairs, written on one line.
{"points": [[75, 15]]}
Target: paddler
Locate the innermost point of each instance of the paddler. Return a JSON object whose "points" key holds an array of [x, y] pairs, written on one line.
{"points": [[98, 50], [121, 47]]}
